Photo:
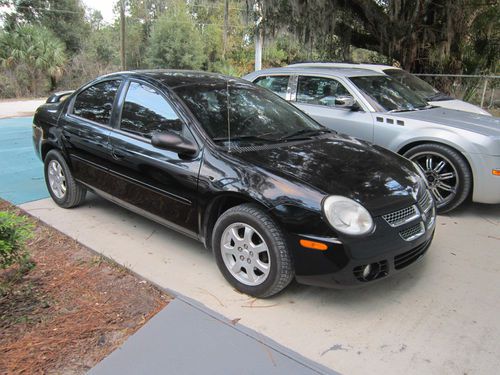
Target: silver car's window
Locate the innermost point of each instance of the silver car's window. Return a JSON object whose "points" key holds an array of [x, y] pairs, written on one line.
{"points": [[146, 112], [389, 93], [277, 84], [319, 90]]}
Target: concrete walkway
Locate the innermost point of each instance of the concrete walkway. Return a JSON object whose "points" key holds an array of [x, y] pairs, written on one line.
{"points": [[182, 339], [18, 107]]}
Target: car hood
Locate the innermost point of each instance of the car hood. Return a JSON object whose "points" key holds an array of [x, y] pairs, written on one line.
{"points": [[460, 105], [377, 178], [485, 125]]}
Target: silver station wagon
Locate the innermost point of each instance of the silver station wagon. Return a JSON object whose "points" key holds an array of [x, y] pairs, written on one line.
{"points": [[459, 152]]}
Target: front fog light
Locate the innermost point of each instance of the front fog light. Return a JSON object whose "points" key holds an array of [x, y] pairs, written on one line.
{"points": [[347, 216]]}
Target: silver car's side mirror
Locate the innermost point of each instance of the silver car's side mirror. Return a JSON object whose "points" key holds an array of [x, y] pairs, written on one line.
{"points": [[346, 101]]}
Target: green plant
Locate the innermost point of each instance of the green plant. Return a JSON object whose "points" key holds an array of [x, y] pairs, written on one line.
{"points": [[14, 232]]}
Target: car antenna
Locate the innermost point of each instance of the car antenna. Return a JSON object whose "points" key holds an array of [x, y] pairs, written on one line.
{"points": [[228, 101]]}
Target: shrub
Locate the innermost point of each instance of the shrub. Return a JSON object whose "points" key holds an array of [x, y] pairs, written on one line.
{"points": [[14, 232]]}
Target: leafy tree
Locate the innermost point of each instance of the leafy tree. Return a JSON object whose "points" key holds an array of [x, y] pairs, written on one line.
{"points": [[422, 35], [35, 49], [175, 41], [66, 19]]}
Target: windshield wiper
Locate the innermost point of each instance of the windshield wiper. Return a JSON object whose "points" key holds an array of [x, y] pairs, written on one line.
{"points": [[304, 133], [244, 138], [401, 110], [438, 97]]}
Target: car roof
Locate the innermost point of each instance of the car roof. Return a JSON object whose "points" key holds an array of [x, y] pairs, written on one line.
{"points": [[176, 78], [319, 70], [374, 67]]}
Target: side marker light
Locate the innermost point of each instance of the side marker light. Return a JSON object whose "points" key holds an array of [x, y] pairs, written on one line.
{"points": [[313, 245]]}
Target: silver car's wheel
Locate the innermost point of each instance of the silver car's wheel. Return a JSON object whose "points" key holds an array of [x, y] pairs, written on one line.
{"points": [[245, 254], [251, 251], [57, 181], [441, 174], [448, 173]]}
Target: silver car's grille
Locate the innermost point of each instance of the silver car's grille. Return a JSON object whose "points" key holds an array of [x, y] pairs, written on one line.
{"points": [[413, 232], [403, 216]]}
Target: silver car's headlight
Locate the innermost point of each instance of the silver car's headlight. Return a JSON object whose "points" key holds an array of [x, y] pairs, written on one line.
{"points": [[347, 216]]}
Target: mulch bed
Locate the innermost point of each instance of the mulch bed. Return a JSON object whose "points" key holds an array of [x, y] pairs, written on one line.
{"points": [[72, 309]]}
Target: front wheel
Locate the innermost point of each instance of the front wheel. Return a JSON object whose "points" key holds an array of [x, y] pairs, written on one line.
{"points": [[448, 174], [251, 252]]}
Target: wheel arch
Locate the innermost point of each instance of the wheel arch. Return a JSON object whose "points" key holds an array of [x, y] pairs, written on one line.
{"points": [[217, 206], [454, 147]]}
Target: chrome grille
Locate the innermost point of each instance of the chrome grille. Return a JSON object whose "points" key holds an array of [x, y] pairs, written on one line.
{"points": [[425, 202], [403, 216], [413, 232], [427, 208]]}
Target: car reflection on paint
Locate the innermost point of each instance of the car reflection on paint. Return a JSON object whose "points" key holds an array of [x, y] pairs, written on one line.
{"points": [[275, 195]]}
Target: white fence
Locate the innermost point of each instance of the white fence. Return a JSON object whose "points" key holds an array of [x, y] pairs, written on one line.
{"points": [[482, 90]]}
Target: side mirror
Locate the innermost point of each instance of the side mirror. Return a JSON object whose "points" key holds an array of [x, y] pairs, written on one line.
{"points": [[174, 142], [347, 101]]}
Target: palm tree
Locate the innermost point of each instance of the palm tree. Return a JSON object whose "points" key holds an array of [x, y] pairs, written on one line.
{"points": [[38, 50]]}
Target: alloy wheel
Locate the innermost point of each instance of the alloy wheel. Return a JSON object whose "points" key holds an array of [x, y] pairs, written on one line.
{"points": [[245, 254], [57, 181], [441, 174]]}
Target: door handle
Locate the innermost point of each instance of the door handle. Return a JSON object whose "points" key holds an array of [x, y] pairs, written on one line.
{"points": [[117, 155]]}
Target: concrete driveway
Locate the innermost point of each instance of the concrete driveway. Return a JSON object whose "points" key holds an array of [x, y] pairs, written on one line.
{"points": [[438, 317]]}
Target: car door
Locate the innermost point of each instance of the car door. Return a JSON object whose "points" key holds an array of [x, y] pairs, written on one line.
{"points": [[85, 132], [317, 96], [158, 183]]}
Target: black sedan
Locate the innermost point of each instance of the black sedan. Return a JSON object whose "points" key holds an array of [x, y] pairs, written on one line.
{"points": [[274, 194]]}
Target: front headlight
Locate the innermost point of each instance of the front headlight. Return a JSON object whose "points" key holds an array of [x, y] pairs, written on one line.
{"points": [[347, 216]]}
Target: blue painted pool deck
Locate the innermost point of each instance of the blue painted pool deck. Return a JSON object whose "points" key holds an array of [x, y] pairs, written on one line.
{"points": [[21, 172]]}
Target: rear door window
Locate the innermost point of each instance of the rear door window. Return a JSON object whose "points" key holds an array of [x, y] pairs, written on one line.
{"points": [[96, 102], [277, 84]]}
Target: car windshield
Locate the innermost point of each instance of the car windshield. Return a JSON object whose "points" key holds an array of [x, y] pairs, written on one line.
{"points": [[255, 115], [414, 83], [389, 94]]}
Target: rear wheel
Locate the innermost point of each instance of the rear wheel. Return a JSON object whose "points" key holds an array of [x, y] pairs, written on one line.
{"points": [[63, 188], [447, 172], [250, 251]]}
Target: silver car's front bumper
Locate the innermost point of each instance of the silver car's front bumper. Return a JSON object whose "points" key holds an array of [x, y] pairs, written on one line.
{"points": [[486, 184]]}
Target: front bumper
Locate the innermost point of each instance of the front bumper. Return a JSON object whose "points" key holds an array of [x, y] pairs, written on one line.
{"points": [[388, 264], [486, 185], [388, 250]]}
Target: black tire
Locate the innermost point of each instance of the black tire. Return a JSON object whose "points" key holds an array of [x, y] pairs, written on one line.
{"points": [[75, 192], [462, 183], [281, 266]]}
